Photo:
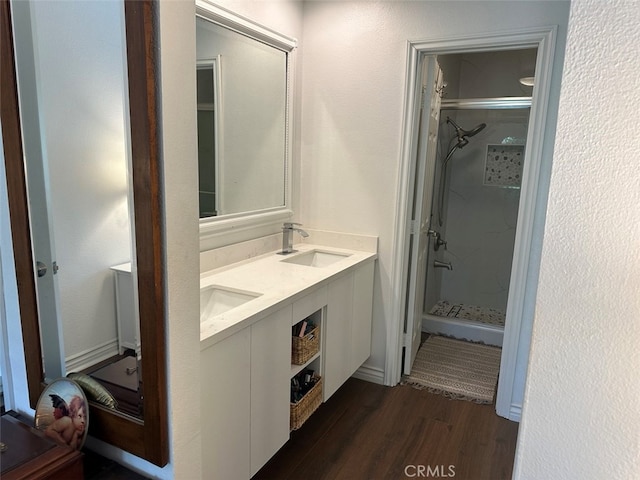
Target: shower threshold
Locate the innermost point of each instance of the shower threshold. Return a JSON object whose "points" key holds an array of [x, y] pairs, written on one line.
{"points": [[465, 322], [491, 316]]}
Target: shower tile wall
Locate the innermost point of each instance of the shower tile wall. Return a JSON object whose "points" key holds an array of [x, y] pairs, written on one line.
{"points": [[480, 220]]}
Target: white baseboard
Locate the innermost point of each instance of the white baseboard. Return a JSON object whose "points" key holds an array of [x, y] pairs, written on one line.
{"points": [[370, 374], [91, 356]]}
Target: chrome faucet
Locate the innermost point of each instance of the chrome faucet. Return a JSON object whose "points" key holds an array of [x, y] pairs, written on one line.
{"points": [[438, 241], [287, 237]]}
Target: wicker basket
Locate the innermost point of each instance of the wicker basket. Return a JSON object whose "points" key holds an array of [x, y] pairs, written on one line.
{"points": [[303, 348], [303, 409]]}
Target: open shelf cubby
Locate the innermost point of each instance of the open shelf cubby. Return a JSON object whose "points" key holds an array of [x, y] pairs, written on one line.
{"points": [[306, 341]]}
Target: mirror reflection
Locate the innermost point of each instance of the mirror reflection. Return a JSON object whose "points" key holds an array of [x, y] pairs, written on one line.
{"points": [[242, 104], [79, 195]]}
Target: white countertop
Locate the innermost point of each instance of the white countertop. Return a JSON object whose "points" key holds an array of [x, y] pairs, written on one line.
{"points": [[278, 283]]}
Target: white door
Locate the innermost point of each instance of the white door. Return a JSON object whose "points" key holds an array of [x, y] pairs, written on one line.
{"points": [[45, 258], [425, 166]]}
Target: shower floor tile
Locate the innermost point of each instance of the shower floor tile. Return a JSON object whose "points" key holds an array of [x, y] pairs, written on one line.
{"points": [[487, 315]]}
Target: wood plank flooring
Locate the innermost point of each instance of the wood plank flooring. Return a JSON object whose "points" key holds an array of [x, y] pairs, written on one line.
{"points": [[367, 431]]}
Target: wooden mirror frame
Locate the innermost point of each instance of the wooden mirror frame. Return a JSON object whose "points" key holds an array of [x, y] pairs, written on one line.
{"points": [[146, 438]]}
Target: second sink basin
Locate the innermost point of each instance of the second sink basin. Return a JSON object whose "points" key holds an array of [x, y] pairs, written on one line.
{"points": [[316, 258], [215, 300]]}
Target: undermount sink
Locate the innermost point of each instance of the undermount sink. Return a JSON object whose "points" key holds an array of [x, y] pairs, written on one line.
{"points": [[215, 300], [316, 258]]}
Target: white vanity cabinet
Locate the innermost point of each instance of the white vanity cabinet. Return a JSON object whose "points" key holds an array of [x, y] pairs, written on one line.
{"points": [[245, 397], [347, 327], [361, 322], [246, 375], [270, 376], [271, 373], [225, 396], [337, 363]]}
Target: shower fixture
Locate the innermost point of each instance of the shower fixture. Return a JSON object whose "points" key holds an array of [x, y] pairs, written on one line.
{"points": [[439, 264], [463, 139], [437, 240], [464, 135]]}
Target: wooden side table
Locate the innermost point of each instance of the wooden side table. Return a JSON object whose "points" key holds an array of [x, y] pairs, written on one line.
{"points": [[30, 455]]}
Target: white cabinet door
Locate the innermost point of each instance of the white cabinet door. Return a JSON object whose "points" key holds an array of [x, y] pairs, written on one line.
{"points": [[362, 315], [225, 395], [337, 347], [348, 327], [270, 385]]}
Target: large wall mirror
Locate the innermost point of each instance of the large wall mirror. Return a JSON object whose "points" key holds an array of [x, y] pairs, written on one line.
{"points": [[130, 229], [243, 102]]}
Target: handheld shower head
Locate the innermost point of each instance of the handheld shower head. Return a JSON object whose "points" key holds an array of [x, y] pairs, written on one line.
{"points": [[474, 131], [462, 134], [463, 139]]}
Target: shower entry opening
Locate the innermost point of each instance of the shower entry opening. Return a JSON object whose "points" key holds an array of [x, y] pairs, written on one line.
{"points": [[457, 265], [470, 163], [474, 212]]}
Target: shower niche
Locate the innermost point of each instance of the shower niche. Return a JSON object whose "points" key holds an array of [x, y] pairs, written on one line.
{"points": [[483, 123]]}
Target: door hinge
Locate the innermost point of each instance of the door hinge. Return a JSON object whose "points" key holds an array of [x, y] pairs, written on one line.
{"points": [[413, 227], [406, 340]]}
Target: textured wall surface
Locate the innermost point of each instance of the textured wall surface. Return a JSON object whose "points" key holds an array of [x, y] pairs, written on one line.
{"points": [[581, 415]]}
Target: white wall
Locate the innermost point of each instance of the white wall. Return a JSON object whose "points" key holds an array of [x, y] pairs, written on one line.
{"points": [[581, 415], [352, 101], [179, 148]]}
